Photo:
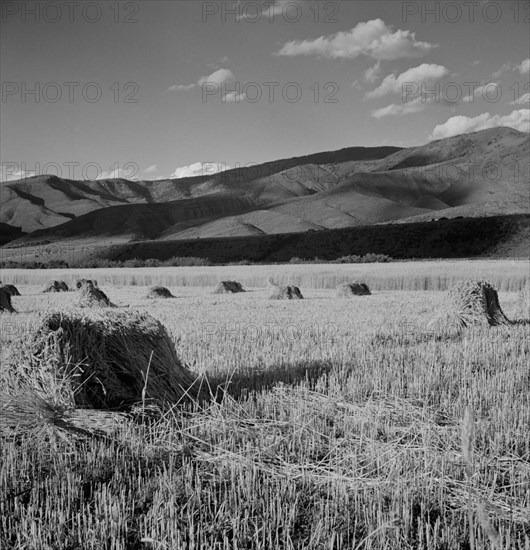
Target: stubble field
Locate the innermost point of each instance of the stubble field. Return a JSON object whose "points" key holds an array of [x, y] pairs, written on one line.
{"points": [[341, 425]]}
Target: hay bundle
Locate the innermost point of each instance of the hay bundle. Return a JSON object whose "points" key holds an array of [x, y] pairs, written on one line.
{"points": [[476, 303], [56, 286], [12, 290], [81, 282], [113, 358], [159, 292], [286, 292], [228, 287], [5, 301], [353, 289], [91, 296]]}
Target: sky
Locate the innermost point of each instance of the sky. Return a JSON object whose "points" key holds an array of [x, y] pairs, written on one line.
{"points": [[154, 89]]}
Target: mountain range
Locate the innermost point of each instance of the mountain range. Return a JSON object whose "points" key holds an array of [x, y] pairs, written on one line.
{"points": [[472, 175]]}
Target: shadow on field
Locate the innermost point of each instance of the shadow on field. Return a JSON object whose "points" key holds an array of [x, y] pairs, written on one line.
{"points": [[241, 384]]}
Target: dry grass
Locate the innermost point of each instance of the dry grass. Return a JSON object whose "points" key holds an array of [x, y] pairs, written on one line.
{"points": [[91, 296], [336, 432], [12, 290], [5, 301]]}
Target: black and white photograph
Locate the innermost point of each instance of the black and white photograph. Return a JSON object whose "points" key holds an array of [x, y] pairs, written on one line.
{"points": [[264, 275]]}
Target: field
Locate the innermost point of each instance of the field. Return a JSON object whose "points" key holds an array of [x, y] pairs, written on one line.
{"points": [[343, 423]]}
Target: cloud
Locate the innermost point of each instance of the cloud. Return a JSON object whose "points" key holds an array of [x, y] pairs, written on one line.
{"points": [[410, 107], [519, 120], [523, 100], [119, 173], [490, 91], [372, 38], [424, 73], [218, 77], [524, 67], [372, 74], [152, 169], [199, 169], [273, 9], [234, 97], [8, 172]]}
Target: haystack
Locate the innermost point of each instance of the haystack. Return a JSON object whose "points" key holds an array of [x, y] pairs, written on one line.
{"points": [[470, 303], [286, 292], [353, 289], [228, 287], [56, 286], [111, 356], [5, 301], [91, 296], [159, 292], [12, 290], [81, 282]]}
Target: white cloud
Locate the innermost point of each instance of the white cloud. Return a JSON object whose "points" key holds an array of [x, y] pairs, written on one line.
{"points": [[218, 77], [271, 10], [523, 100], [234, 97], [199, 169], [410, 107], [524, 67], [372, 74], [519, 120], [118, 173], [491, 91], [424, 73], [9, 173], [152, 169], [372, 38]]}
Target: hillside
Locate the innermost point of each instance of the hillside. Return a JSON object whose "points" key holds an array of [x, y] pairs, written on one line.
{"points": [[473, 175]]}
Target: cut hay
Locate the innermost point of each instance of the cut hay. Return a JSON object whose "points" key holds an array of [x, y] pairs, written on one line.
{"points": [[81, 282], [91, 296], [159, 292], [5, 301], [228, 287], [110, 357], [353, 289], [286, 292], [12, 290], [56, 286], [471, 303]]}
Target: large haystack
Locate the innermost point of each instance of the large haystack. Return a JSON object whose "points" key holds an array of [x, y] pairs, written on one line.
{"points": [[91, 296], [5, 301], [12, 290], [353, 289], [286, 292], [228, 287], [56, 286], [81, 282], [111, 356], [159, 292], [476, 303]]}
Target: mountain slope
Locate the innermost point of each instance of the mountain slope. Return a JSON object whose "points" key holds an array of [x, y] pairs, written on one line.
{"points": [[473, 175]]}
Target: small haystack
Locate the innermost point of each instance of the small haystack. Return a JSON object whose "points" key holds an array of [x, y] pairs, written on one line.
{"points": [[12, 290], [113, 359], [286, 292], [476, 303], [91, 296], [81, 282], [353, 289], [228, 287], [56, 286], [5, 301], [159, 292]]}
